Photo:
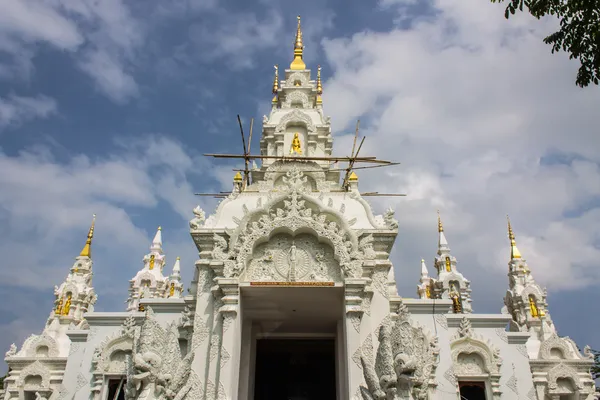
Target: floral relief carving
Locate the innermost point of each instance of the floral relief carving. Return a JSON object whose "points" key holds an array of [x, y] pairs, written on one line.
{"points": [[521, 348], [501, 332], [364, 351], [442, 320], [311, 261], [292, 215], [562, 371], [379, 282], [296, 77], [294, 117], [512, 382], [37, 368], [296, 96], [555, 342], [34, 342], [472, 356]]}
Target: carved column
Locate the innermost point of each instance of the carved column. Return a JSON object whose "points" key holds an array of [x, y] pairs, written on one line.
{"points": [[227, 360], [353, 296]]}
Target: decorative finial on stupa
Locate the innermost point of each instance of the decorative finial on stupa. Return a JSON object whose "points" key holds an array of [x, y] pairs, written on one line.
{"points": [[275, 84], [319, 86], [514, 251], [157, 241], [353, 177], [298, 63], [440, 226], [87, 249]]}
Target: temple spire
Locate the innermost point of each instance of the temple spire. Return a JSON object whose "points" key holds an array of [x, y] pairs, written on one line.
{"points": [[424, 271], [442, 242], [275, 84], [319, 86], [298, 63], [514, 251], [87, 249], [157, 241]]}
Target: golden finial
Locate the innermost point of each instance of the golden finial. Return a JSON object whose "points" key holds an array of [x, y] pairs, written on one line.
{"points": [[514, 252], [298, 64], [237, 177], [353, 177], [275, 84], [87, 249], [178, 258], [160, 228], [319, 86], [440, 226]]}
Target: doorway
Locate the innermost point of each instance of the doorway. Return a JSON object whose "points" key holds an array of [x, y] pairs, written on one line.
{"points": [[295, 369], [472, 390]]}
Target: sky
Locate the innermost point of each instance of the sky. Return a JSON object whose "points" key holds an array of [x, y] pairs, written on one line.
{"points": [[107, 107]]}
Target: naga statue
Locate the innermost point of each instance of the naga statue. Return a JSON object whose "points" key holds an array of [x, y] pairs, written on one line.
{"points": [[405, 363], [157, 371]]}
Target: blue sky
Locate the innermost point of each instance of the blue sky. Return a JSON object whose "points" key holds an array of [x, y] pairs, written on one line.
{"points": [[107, 107]]}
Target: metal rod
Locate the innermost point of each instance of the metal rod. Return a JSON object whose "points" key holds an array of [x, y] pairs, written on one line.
{"points": [[284, 158], [342, 169]]}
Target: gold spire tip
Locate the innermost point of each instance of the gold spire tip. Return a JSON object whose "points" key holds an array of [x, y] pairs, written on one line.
{"points": [[237, 177], [160, 228], [353, 177], [87, 248], [514, 251], [298, 64], [178, 258], [276, 80], [440, 226]]}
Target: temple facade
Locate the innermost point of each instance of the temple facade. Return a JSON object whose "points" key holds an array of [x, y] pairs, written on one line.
{"points": [[294, 297]]}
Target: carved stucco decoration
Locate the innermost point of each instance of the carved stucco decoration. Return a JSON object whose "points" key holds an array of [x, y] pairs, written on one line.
{"points": [[34, 342], [562, 371], [35, 369], [296, 116], [406, 361], [555, 342], [156, 369], [295, 97], [289, 212], [474, 356], [313, 261], [296, 77], [104, 360]]}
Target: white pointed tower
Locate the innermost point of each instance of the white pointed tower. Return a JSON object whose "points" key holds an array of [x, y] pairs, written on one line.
{"points": [[424, 289], [175, 284], [149, 282], [551, 356], [451, 284], [74, 297]]}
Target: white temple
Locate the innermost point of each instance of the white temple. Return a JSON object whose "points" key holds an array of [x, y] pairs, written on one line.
{"points": [[294, 297]]}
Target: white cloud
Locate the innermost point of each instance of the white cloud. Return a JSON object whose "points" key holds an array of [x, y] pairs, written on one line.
{"points": [[470, 104], [102, 36], [16, 109]]}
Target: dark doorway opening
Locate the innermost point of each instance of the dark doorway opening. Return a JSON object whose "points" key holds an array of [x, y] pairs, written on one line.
{"points": [[295, 369], [472, 390], [116, 389]]}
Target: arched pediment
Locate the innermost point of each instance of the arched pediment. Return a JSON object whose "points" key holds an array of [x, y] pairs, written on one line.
{"points": [[296, 77], [298, 117], [145, 275], [34, 342], [531, 290], [296, 97], [554, 342], [469, 345], [35, 369], [292, 212], [562, 371]]}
